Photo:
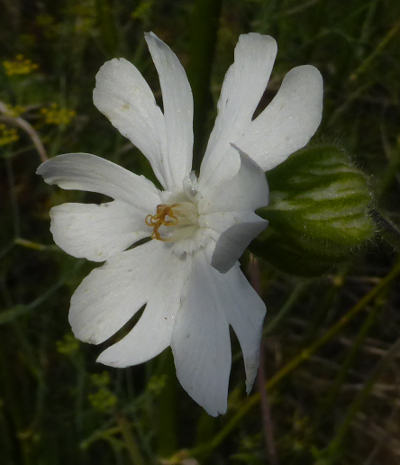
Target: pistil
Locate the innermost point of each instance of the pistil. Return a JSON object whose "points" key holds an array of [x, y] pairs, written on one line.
{"points": [[181, 219], [161, 219]]}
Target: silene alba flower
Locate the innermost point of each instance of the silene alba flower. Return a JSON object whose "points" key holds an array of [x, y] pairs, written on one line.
{"points": [[187, 273]]}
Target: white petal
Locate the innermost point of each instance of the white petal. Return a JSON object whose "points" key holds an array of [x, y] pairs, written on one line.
{"points": [[96, 232], [237, 230], [227, 209], [243, 87], [111, 294], [247, 190], [83, 171], [152, 333], [288, 122], [245, 312], [123, 95], [200, 340], [178, 111]]}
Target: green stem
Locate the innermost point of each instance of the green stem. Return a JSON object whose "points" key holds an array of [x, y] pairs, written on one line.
{"points": [[13, 198], [15, 312], [204, 27], [387, 229], [34, 245], [106, 23], [329, 400], [378, 50], [130, 441], [286, 308], [166, 407], [334, 451]]}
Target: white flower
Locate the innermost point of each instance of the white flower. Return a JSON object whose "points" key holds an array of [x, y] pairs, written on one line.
{"points": [[187, 275]]}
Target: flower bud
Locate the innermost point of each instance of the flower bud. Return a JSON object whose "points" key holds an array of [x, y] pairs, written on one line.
{"points": [[318, 211]]}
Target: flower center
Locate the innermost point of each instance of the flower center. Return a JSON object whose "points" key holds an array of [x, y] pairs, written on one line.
{"points": [[173, 222]]}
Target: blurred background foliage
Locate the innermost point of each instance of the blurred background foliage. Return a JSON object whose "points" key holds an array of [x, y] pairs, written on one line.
{"points": [[331, 342]]}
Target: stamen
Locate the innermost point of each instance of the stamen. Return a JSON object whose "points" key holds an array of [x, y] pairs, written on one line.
{"points": [[160, 219]]}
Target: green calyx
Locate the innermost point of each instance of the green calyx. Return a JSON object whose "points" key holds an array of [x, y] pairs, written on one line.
{"points": [[318, 211]]}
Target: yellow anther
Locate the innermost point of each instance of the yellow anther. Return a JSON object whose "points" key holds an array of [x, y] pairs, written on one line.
{"points": [[164, 217]]}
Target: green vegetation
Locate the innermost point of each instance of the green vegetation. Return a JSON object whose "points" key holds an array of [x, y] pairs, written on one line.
{"points": [[331, 341]]}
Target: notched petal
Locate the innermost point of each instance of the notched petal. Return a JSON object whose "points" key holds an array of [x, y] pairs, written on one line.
{"points": [[288, 122], [124, 97], [178, 111], [87, 172], [96, 232], [242, 89], [111, 294], [201, 342]]}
